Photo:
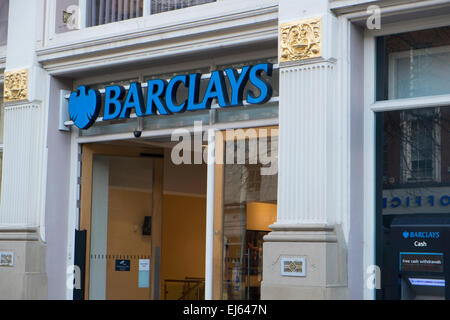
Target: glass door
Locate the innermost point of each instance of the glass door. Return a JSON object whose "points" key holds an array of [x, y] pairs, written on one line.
{"points": [[246, 175], [120, 209]]}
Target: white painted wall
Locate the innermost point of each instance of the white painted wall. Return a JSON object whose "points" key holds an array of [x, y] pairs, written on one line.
{"points": [[58, 209], [356, 273]]}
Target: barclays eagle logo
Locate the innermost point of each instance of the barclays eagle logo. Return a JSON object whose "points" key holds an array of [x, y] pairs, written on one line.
{"points": [[84, 106], [405, 234]]}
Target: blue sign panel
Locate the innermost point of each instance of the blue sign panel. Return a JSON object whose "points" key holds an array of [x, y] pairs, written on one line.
{"points": [[122, 265]]}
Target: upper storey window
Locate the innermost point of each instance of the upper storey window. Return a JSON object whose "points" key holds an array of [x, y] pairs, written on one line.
{"points": [[76, 14], [414, 64], [4, 8], [158, 6], [413, 68]]}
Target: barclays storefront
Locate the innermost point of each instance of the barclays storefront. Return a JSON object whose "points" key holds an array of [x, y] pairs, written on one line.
{"points": [[235, 150]]}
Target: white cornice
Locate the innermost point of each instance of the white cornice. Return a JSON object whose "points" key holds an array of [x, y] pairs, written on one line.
{"points": [[358, 5], [159, 41], [357, 9], [110, 59]]}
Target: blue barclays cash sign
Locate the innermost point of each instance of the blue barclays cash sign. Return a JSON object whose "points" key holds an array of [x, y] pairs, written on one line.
{"points": [[421, 235]]}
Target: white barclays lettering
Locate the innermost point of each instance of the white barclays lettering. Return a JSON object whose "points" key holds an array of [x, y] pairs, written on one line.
{"points": [[420, 244]]}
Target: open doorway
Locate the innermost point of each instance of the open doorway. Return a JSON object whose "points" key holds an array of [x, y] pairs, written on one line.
{"points": [[145, 221], [184, 230]]}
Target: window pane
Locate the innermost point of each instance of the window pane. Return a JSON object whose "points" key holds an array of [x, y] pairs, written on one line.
{"points": [[249, 207], [416, 167], [107, 11], [413, 64], [158, 6]]}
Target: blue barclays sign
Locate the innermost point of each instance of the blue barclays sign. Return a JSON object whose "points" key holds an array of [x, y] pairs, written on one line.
{"points": [[420, 235], [161, 99]]}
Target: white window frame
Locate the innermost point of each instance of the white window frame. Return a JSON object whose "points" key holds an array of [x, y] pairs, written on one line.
{"points": [[371, 106]]}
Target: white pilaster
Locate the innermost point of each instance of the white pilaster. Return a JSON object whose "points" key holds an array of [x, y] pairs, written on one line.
{"points": [[22, 162], [314, 125], [302, 180], [313, 180]]}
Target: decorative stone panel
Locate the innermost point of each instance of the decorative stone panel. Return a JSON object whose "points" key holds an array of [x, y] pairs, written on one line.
{"points": [[16, 85], [300, 40]]}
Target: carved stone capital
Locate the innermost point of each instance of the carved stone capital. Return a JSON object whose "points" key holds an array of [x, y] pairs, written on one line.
{"points": [[15, 85], [300, 40]]}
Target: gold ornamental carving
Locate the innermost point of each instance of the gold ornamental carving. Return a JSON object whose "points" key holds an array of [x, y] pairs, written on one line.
{"points": [[15, 85], [300, 40]]}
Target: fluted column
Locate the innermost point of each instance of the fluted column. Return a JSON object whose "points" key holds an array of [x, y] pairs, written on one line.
{"points": [[305, 255], [303, 143], [24, 144]]}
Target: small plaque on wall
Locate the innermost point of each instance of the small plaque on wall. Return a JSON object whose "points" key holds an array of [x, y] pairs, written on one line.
{"points": [[293, 266], [144, 273], [6, 259], [122, 265]]}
